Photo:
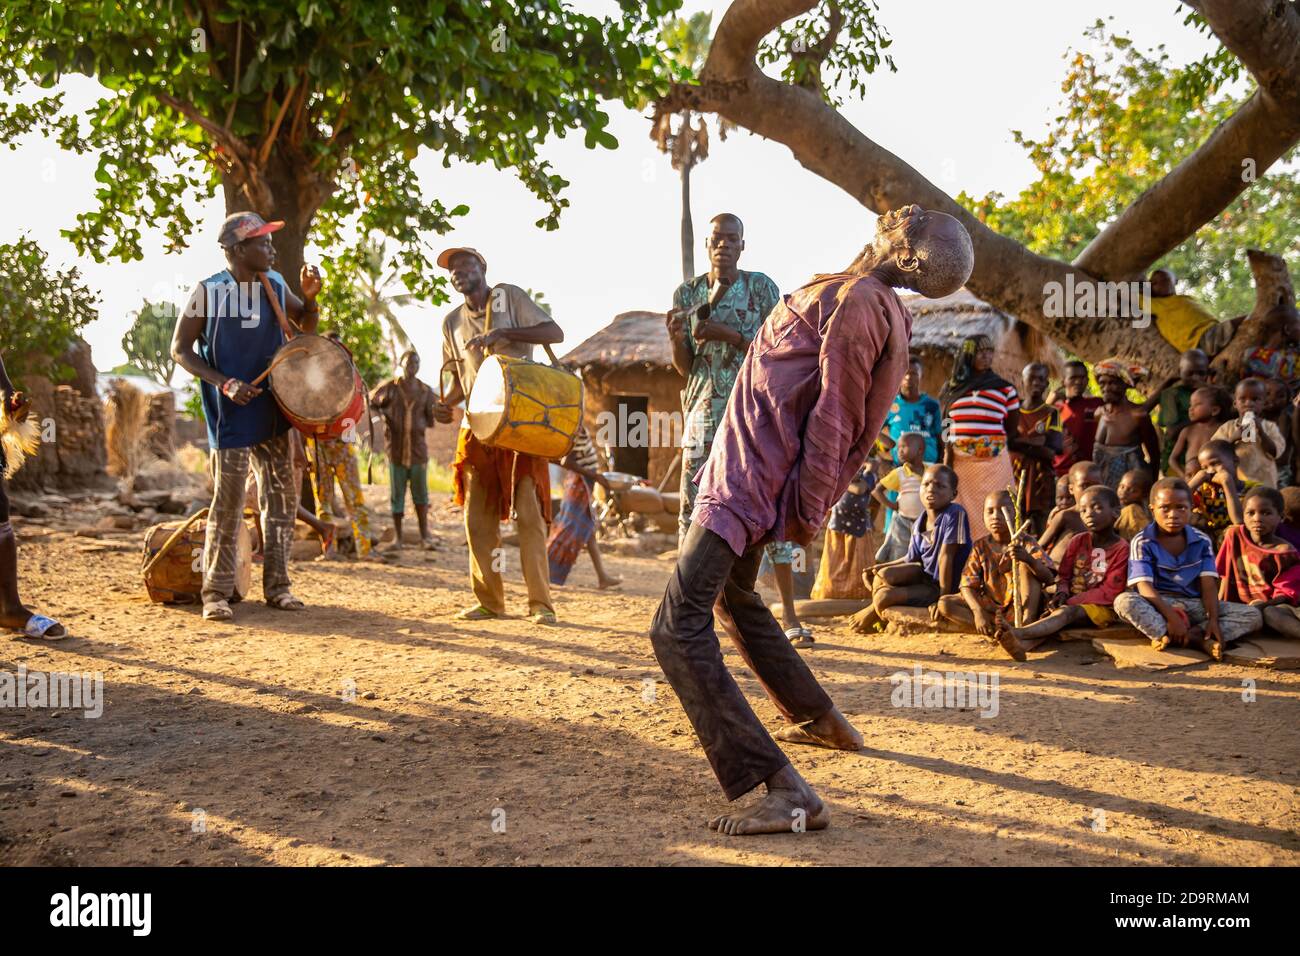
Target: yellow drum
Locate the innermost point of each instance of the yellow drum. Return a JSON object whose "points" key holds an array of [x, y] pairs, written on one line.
{"points": [[525, 406]]}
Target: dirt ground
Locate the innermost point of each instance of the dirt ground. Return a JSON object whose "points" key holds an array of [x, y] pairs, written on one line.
{"points": [[506, 743]]}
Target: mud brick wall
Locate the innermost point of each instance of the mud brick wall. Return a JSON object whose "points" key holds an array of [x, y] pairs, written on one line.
{"points": [[161, 435]]}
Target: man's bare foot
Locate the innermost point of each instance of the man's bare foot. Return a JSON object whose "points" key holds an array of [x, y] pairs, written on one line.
{"points": [[831, 730], [611, 582], [789, 806]]}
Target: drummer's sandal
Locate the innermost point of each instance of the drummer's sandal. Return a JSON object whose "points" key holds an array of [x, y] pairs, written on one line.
{"points": [[285, 602], [799, 636], [217, 611], [478, 613], [38, 628]]}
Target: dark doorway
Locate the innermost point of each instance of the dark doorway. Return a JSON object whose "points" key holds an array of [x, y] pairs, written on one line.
{"points": [[630, 452]]}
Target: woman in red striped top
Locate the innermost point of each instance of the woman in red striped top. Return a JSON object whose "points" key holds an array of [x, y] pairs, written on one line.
{"points": [[981, 413]]}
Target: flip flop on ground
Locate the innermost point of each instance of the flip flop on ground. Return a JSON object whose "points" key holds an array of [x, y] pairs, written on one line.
{"points": [[476, 613], [42, 628], [217, 611], [285, 602]]}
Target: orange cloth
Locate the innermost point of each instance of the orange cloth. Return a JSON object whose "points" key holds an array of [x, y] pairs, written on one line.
{"points": [[499, 469]]}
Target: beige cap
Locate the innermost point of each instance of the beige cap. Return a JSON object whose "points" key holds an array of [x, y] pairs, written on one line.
{"points": [[444, 257]]}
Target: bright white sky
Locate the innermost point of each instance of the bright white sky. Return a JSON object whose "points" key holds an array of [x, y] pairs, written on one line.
{"points": [[967, 75]]}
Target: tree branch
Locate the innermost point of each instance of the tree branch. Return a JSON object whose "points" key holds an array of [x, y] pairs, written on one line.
{"points": [[223, 136], [265, 151], [1265, 36], [1007, 274], [236, 76]]}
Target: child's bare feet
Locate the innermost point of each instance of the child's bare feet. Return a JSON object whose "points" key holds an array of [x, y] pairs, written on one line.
{"points": [[1010, 643]]}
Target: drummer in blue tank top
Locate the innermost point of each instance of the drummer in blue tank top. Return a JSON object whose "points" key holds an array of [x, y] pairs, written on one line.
{"points": [[226, 338]]}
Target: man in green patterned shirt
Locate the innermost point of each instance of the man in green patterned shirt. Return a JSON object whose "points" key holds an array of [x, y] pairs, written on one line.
{"points": [[708, 352]]}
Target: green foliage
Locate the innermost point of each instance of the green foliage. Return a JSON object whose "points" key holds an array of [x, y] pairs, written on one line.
{"points": [[41, 310], [193, 407], [148, 342], [687, 40], [839, 40], [1128, 117], [315, 110], [344, 310]]}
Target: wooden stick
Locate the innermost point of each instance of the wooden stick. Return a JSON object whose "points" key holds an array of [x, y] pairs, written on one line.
{"points": [[276, 361], [171, 541]]}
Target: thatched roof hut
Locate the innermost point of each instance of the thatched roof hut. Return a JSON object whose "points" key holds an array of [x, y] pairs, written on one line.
{"points": [[632, 339], [940, 325]]}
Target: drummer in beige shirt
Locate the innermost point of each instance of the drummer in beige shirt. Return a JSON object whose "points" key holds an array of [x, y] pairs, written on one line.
{"points": [[502, 320]]}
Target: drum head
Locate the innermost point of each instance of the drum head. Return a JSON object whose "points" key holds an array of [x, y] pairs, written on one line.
{"points": [[313, 379], [486, 406]]}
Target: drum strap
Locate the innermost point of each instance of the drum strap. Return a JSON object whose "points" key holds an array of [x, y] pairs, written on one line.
{"points": [[283, 319]]}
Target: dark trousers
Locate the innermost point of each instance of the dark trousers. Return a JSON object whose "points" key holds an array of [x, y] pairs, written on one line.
{"points": [[742, 752]]}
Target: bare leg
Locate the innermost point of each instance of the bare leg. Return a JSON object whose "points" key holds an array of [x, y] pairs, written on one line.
{"points": [[422, 519], [1031, 590], [953, 609], [784, 574], [1053, 623], [603, 578], [12, 612], [1283, 620], [397, 534]]}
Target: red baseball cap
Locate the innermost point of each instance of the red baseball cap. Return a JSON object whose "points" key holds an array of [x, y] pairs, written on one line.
{"points": [[246, 225]]}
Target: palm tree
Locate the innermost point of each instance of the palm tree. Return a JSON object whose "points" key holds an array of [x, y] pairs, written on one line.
{"points": [[683, 134], [374, 287]]}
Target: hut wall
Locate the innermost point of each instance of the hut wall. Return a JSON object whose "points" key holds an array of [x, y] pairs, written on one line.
{"points": [[662, 389]]}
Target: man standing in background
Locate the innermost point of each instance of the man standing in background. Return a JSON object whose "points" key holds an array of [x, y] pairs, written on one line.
{"points": [[406, 404], [708, 347]]}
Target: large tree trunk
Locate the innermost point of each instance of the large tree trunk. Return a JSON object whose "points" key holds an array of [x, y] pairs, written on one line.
{"points": [[1264, 34], [1273, 287], [688, 226], [285, 191]]}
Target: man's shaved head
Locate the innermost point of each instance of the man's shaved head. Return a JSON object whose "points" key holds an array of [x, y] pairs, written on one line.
{"points": [[729, 219], [919, 249]]}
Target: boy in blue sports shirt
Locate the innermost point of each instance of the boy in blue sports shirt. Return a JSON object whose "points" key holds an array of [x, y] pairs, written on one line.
{"points": [[1175, 596]]}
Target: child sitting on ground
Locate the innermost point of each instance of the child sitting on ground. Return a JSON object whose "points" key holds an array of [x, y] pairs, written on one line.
{"points": [[1175, 596], [1067, 523], [905, 482], [1211, 407], [987, 597], [1216, 490], [935, 556], [1134, 490], [1093, 574], [1259, 442], [1258, 567]]}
